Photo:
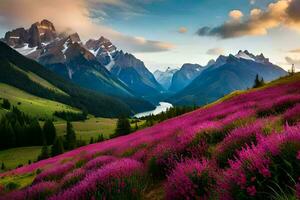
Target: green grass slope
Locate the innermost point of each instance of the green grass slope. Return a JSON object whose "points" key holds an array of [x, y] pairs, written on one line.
{"points": [[27, 75], [32, 105], [19, 156]]}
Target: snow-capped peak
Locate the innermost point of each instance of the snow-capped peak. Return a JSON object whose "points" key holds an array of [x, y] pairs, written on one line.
{"points": [[245, 55]]}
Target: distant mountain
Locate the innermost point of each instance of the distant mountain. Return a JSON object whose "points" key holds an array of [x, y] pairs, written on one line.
{"points": [[183, 77], [227, 74], [125, 66], [31, 77], [67, 56], [165, 77]]}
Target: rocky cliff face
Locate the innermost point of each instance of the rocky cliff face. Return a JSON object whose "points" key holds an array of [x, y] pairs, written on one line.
{"points": [[124, 66], [38, 34]]}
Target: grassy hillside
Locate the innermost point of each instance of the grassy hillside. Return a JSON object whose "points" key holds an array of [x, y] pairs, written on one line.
{"points": [[32, 105], [246, 147], [19, 156], [89, 128], [30, 76]]}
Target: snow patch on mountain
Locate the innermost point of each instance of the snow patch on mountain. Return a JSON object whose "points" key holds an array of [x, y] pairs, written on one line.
{"points": [[26, 50], [110, 65], [244, 55]]}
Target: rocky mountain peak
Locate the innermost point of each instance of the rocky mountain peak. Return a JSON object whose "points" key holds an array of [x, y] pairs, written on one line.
{"points": [[74, 38], [39, 33]]}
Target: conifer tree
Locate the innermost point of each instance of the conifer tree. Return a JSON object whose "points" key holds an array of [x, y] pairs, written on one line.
{"points": [[44, 153], [6, 104], [70, 137], [123, 127], [2, 166], [49, 132], [92, 140], [100, 138], [57, 147]]}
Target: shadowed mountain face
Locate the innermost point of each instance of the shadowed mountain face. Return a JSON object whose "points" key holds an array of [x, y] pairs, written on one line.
{"points": [[184, 76], [125, 66], [29, 76], [227, 74]]}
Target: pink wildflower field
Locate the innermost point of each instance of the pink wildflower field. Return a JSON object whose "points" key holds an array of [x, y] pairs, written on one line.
{"points": [[246, 147]]}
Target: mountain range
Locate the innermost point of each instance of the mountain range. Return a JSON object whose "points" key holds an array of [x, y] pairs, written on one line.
{"points": [[98, 65], [95, 65], [33, 78], [225, 75], [184, 76]]}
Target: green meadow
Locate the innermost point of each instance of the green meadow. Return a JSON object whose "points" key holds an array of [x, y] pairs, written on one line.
{"points": [[30, 104], [19, 156]]}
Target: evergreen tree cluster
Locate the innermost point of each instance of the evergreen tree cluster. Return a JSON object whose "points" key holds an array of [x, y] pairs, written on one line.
{"points": [[123, 127], [18, 129], [258, 82], [71, 116], [168, 114], [6, 104]]}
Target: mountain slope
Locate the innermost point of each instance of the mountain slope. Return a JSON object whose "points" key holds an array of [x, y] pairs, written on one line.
{"points": [[125, 66], [184, 76], [33, 105], [227, 145], [227, 74], [12, 68], [165, 77], [67, 56]]}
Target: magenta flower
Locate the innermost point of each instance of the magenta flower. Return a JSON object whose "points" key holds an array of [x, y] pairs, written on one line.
{"points": [[292, 115], [54, 173], [99, 162], [107, 181], [191, 179]]}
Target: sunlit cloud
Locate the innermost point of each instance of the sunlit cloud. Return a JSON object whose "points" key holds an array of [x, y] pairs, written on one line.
{"points": [[75, 15], [259, 22], [292, 61], [215, 51], [182, 30]]}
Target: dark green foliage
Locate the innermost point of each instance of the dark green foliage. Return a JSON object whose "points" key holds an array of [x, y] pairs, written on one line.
{"points": [[7, 135], [156, 170], [6, 104], [92, 140], [11, 186], [170, 113], [71, 116], [35, 133], [49, 132], [57, 147], [123, 127], [44, 153], [100, 138], [80, 143], [18, 129], [70, 137], [29, 162], [2, 166], [258, 82]]}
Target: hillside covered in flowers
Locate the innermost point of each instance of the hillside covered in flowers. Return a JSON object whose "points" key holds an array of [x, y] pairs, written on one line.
{"points": [[246, 146]]}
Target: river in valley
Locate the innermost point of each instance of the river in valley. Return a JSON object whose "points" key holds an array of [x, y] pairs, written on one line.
{"points": [[163, 106]]}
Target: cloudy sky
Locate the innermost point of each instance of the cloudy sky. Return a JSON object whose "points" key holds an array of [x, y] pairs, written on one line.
{"points": [[168, 33]]}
